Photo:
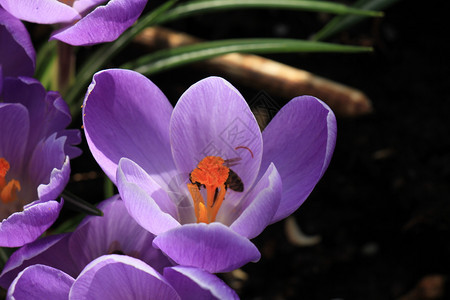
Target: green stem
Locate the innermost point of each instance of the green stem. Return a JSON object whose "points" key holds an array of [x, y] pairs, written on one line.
{"points": [[66, 66]]}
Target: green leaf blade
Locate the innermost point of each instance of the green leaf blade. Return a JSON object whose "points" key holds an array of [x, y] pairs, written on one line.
{"points": [[170, 58], [201, 6], [341, 23]]}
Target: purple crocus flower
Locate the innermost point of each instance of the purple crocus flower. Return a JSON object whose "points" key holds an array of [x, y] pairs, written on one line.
{"points": [[201, 176], [85, 264], [35, 147], [83, 22]]}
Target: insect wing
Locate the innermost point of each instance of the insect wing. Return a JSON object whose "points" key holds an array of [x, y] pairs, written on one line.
{"points": [[234, 182]]}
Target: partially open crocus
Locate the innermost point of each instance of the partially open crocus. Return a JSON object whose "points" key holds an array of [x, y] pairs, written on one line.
{"points": [[201, 176], [83, 22], [107, 257]]}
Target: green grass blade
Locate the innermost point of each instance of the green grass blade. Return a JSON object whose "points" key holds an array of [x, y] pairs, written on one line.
{"points": [[170, 58], [202, 6], [341, 23], [46, 65]]}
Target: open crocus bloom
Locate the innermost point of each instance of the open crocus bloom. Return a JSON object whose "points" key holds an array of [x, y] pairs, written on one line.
{"points": [[85, 265], [35, 147], [201, 176], [84, 22]]}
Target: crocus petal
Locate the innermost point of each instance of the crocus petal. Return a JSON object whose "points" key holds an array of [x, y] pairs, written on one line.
{"points": [[196, 284], [41, 282], [58, 111], [40, 11], [84, 6], [14, 128], [144, 199], [259, 205], [49, 167], [48, 112], [73, 138], [299, 141], [212, 247], [114, 232], [51, 251], [103, 24], [120, 277], [23, 227], [212, 118], [126, 115], [17, 55], [58, 180], [30, 93], [1, 79]]}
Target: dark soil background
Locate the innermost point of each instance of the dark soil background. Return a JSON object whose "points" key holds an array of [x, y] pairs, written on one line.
{"points": [[382, 209]]}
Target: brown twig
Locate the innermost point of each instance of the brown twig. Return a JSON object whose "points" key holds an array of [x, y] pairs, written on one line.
{"points": [[262, 73]]}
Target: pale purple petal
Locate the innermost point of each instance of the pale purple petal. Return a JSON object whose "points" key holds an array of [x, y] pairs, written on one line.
{"points": [[114, 232], [17, 55], [259, 205], [126, 115], [84, 6], [212, 118], [14, 126], [51, 251], [103, 24], [212, 247], [41, 282], [40, 11], [299, 141], [144, 199], [24, 227], [196, 284], [120, 277]]}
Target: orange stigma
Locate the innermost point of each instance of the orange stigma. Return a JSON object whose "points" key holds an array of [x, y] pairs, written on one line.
{"points": [[8, 190], [212, 174]]}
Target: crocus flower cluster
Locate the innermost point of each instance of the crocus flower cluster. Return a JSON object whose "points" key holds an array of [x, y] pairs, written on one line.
{"points": [[35, 147], [107, 257], [81, 22], [196, 181], [201, 176]]}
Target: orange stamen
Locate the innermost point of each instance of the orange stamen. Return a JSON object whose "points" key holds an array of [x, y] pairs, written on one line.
{"points": [[4, 168], [8, 191], [211, 173], [219, 200], [67, 2]]}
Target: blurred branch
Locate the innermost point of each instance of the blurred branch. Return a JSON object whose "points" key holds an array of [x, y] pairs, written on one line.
{"points": [[261, 73]]}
